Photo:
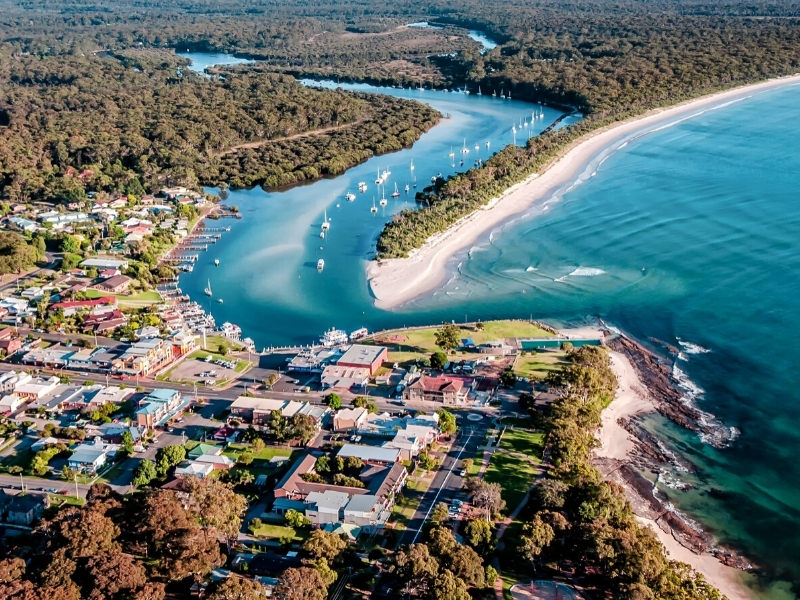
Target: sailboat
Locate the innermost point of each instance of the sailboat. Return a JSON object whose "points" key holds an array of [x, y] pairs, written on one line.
{"points": [[326, 224], [494, 93], [207, 290], [374, 208], [488, 144], [501, 94], [322, 234], [415, 182], [508, 97], [465, 150], [383, 201], [412, 164], [466, 91], [362, 186], [407, 188], [479, 91], [477, 147], [379, 180], [396, 194], [349, 196], [452, 154]]}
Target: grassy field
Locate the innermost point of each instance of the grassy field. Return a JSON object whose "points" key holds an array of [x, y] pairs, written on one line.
{"points": [[265, 454], [540, 364], [270, 531], [140, 299], [422, 342], [515, 474]]}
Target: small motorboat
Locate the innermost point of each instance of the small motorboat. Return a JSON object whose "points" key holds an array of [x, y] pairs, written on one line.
{"points": [[350, 196], [216, 262], [220, 300], [320, 264]]}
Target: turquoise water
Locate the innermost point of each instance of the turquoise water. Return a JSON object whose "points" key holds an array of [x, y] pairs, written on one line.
{"points": [[688, 232]]}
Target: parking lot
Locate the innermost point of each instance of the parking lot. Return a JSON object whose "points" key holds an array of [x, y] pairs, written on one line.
{"points": [[207, 373]]}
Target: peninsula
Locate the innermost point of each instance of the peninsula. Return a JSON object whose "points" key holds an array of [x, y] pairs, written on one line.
{"points": [[396, 281]]}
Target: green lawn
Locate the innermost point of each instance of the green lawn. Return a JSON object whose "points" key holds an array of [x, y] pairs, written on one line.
{"points": [[150, 297], [523, 422], [539, 364], [269, 531], [422, 342], [515, 474]]}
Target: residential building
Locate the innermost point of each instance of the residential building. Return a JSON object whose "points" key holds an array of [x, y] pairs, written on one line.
{"points": [[183, 343], [43, 443], [113, 432], [191, 468], [369, 454], [217, 461], [36, 388], [202, 449], [442, 389], [22, 509], [91, 456], [114, 285], [104, 319], [77, 306], [364, 357], [144, 357], [349, 419], [326, 507], [62, 397], [362, 511], [9, 404], [105, 263], [9, 341], [11, 379], [160, 406]]}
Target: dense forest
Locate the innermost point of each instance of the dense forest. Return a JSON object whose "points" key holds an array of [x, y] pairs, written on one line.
{"points": [[139, 119]]}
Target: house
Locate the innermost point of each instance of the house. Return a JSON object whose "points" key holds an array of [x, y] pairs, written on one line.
{"points": [[272, 565], [22, 509], [217, 461], [344, 378], [9, 404], [35, 389], [326, 507], [202, 449], [105, 263], [102, 320], [10, 380], [114, 285], [62, 397], [43, 443], [486, 388], [91, 456], [113, 432], [370, 454], [348, 419], [442, 389], [109, 273], [22, 224], [191, 468], [360, 356], [259, 410], [76, 306], [9, 341], [225, 434], [159, 406]]}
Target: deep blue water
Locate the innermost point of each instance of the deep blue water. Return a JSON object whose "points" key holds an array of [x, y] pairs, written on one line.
{"points": [[689, 232]]}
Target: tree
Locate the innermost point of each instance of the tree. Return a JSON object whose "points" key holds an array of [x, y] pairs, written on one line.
{"points": [[440, 513], [70, 244], [353, 465], [296, 519], [487, 496], [466, 565], [415, 568], [217, 508], [258, 444], [303, 583], [537, 535], [328, 575], [449, 587], [321, 544], [507, 377], [333, 400], [490, 576], [245, 458], [127, 443], [114, 575], [438, 360], [278, 425], [360, 402], [169, 456], [236, 588], [467, 464], [144, 473], [303, 427], [271, 380], [480, 536], [323, 464], [447, 421], [448, 337], [255, 525]]}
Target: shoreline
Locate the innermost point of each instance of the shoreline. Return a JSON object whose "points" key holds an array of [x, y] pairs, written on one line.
{"points": [[618, 450], [395, 281]]}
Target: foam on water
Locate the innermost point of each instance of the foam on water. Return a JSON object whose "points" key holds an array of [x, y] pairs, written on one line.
{"points": [[715, 432], [586, 272], [690, 348]]}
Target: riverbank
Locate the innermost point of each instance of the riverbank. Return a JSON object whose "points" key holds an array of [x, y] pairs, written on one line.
{"points": [[396, 281], [620, 449]]}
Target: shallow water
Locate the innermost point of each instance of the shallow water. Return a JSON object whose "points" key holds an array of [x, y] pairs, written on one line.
{"points": [[688, 232]]}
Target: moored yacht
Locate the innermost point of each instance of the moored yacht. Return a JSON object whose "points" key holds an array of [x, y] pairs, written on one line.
{"points": [[320, 264]]}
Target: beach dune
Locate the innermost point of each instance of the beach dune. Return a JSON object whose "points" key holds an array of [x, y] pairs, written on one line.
{"points": [[396, 281]]}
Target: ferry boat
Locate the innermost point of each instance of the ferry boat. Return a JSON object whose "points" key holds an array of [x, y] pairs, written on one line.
{"points": [[395, 194], [362, 186], [207, 290], [358, 334], [349, 196], [320, 264], [216, 262], [326, 224], [333, 337]]}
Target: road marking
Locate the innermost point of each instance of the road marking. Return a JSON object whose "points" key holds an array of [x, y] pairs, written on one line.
{"points": [[444, 483]]}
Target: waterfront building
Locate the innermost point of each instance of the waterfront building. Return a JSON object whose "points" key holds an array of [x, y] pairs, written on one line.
{"points": [[364, 357]]}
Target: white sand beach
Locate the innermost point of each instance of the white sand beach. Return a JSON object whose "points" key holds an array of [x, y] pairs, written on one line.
{"points": [[632, 399], [396, 281]]}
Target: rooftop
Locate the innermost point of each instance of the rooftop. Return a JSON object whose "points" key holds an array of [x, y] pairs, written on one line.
{"points": [[367, 453], [358, 354]]}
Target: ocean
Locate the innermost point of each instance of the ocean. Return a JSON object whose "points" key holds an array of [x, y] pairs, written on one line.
{"points": [[687, 235]]}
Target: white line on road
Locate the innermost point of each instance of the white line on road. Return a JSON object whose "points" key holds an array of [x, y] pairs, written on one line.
{"points": [[441, 487]]}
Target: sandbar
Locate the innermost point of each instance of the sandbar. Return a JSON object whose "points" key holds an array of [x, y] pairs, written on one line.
{"points": [[396, 281]]}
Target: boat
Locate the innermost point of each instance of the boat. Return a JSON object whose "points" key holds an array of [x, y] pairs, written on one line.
{"points": [[326, 224], [362, 186], [514, 129], [479, 91], [477, 147], [220, 300], [461, 163], [415, 182], [508, 96], [374, 208], [433, 179], [452, 154], [334, 337], [379, 180], [216, 262], [358, 334], [207, 290], [338, 205], [322, 234], [320, 264], [407, 188], [386, 173], [465, 150], [488, 144], [494, 93], [383, 201], [412, 164], [349, 196]]}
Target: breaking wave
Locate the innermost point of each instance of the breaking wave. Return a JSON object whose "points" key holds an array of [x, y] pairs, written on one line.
{"points": [[714, 431]]}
